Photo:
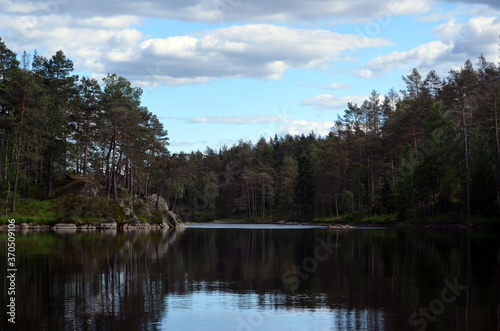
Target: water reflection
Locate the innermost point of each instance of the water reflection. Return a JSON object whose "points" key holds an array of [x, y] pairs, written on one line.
{"points": [[257, 279]]}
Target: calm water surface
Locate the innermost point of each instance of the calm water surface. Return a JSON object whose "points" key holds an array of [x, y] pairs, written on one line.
{"points": [[257, 277]]}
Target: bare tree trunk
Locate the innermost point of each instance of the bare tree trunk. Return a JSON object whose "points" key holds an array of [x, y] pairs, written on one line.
{"points": [[112, 168], [51, 166], [263, 201], [466, 156], [107, 172], [414, 136], [497, 147], [27, 180], [87, 138], [13, 207], [9, 176], [113, 176], [16, 178], [336, 204]]}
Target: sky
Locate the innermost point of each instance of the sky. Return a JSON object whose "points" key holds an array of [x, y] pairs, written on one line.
{"points": [[219, 71]]}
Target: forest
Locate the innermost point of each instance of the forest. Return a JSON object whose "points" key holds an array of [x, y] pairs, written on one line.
{"points": [[430, 151]]}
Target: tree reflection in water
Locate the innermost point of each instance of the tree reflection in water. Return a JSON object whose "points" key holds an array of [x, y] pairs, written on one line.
{"points": [[224, 278]]}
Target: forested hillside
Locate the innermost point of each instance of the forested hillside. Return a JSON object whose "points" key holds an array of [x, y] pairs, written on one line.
{"points": [[429, 150]]}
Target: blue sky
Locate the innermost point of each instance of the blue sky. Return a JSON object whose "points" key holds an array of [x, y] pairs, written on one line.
{"points": [[217, 71]]}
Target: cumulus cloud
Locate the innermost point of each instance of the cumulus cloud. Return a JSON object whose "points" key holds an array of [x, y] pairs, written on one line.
{"points": [[422, 56], [461, 10], [255, 50], [284, 11], [490, 3], [297, 127], [458, 42], [330, 101], [277, 124], [105, 44]]}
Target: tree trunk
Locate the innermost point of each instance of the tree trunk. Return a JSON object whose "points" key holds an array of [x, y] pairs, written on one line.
{"points": [[466, 156], [9, 176], [497, 147], [87, 138], [113, 169], [18, 152], [112, 180], [16, 178], [51, 166], [107, 172], [263, 201], [414, 136], [336, 204], [27, 180]]}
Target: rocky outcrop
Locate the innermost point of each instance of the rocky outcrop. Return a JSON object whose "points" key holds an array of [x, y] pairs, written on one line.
{"points": [[87, 227], [65, 227], [151, 202], [145, 208], [82, 184], [82, 197], [108, 225]]}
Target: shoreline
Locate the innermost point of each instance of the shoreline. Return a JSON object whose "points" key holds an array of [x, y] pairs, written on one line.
{"points": [[114, 226], [361, 224], [71, 227]]}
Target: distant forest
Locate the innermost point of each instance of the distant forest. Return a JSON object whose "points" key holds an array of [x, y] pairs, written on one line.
{"points": [[429, 150]]}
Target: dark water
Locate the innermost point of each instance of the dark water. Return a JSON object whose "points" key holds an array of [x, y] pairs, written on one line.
{"points": [[261, 278]]}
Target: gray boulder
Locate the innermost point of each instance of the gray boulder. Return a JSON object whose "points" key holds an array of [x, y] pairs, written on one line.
{"points": [[108, 225], [151, 202], [64, 227]]}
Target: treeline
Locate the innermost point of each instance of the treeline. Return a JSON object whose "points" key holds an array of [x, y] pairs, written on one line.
{"points": [[54, 123], [430, 149]]}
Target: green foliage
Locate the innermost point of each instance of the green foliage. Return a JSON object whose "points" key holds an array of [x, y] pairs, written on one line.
{"points": [[428, 151], [326, 220], [33, 211]]}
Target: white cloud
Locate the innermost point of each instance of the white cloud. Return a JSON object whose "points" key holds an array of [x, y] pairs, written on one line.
{"points": [[462, 10], [479, 35], [114, 22], [284, 11], [490, 3], [448, 31], [458, 42], [260, 51], [425, 55], [277, 125], [330, 101], [297, 127]]}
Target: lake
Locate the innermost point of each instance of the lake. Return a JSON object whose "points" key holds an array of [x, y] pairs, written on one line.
{"points": [[257, 277]]}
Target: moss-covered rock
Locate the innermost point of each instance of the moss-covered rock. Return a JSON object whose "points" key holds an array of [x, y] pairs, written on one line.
{"points": [[83, 200]]}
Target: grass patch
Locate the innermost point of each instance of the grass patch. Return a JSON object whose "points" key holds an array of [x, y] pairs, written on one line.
{"points": [[379, 219], [32, 211]]}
